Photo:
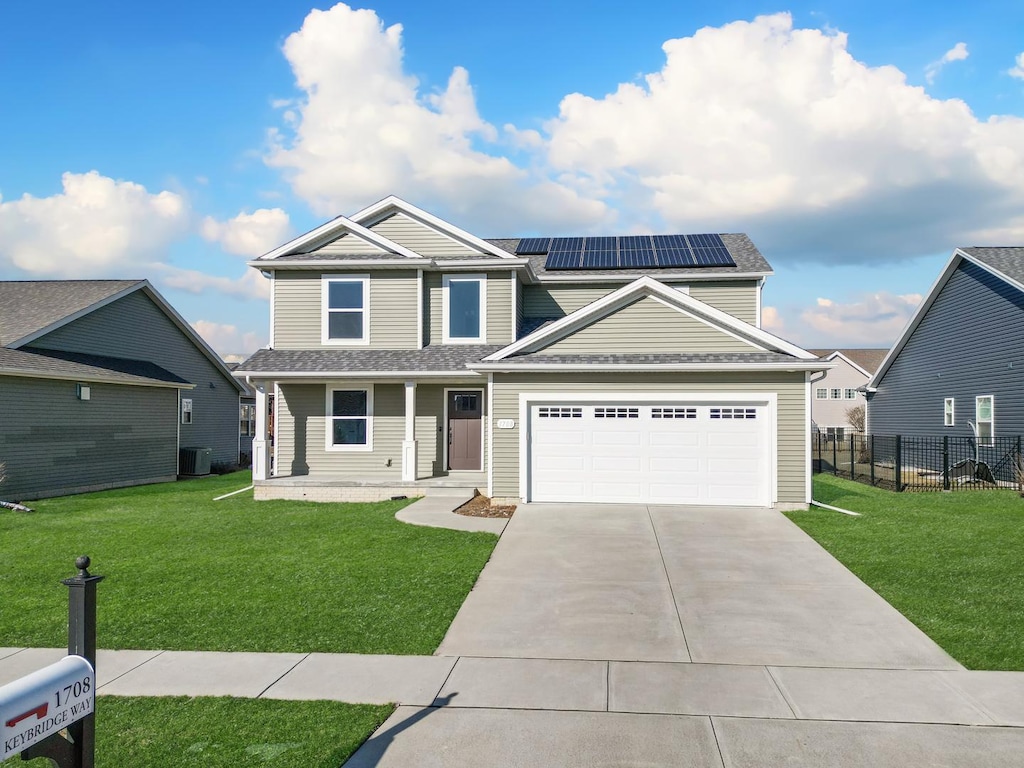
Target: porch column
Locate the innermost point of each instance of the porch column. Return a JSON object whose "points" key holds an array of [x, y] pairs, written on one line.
{"points": [[409, 444], [260, 451]]}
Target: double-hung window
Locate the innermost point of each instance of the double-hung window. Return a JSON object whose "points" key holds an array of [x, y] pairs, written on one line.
{"points": [[247, 420], [350, 419], [465, 309], [948, 412], [345, 309], [186, 411], [984, 413]]}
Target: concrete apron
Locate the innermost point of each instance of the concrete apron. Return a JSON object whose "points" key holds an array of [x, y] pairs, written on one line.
{"points": [[717, 585]]}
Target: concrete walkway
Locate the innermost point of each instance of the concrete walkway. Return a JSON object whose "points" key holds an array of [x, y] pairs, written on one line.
{"points": [[435, 511]]}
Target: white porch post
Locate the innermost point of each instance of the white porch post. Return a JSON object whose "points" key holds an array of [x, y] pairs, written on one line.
{"points": [[409, 444], [260, 453]]}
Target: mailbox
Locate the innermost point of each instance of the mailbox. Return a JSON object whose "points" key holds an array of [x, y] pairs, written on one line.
{"points": [[45, 702]]}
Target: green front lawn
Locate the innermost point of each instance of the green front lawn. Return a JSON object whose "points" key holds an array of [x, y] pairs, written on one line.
{"points": [[950, 562], [184, 572], [226, 733]]}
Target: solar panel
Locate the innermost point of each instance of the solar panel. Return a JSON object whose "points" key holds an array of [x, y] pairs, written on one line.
{"points": [[710, 251], [673, 251], [565, 253], [636, 252], [601, 253], [532, 246]]}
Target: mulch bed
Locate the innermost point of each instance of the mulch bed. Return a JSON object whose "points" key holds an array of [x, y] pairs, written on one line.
{"points": [[481, 506]]}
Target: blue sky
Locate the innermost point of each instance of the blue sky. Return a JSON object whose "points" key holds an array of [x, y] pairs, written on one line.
{"points": [[857, 143]]}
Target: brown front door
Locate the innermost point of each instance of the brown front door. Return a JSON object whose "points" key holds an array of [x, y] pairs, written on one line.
{"points": [[465, 430]]}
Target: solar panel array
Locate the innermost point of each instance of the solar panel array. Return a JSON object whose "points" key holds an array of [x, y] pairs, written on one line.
{"points": [[629, 252]]}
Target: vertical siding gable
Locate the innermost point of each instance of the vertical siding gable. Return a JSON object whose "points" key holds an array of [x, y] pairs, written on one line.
{"points": [[969, 343], [647, 326], [135, 327]]}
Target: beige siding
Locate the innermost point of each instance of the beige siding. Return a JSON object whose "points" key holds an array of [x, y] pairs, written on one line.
{"points": [[499, 307], [738, 298], [430, 430], [349, 244], [647, 326], [419, 237], [297, 310], [790, 388]]}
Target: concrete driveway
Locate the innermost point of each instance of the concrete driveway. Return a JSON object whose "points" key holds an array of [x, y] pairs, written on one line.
{"points": [[711, 585]]}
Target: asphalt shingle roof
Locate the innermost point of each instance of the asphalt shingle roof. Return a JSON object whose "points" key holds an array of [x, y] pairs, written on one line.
{"points": [[868, 359], [1009, 260], [27, 306], [73, 365], [433, 358]]}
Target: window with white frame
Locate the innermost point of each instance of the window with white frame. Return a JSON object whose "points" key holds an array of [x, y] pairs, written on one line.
{"points": [[465, 309], [247, 420], [821, 393], [948, 411], [346, 316], [984, 413], [836, 394], [835, 433], [186, 411], [850, 394], [350, 419]]}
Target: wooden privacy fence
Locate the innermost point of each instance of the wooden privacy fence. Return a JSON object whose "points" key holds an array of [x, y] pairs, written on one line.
{"points": [[905, 463]]}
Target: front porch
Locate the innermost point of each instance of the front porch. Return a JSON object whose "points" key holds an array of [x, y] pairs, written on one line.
{"points": [[363, 487]]}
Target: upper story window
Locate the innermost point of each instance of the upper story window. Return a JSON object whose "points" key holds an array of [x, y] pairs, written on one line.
{"points": [[836, 393], [949, 411], [850, 394], [465, 309], [186, 411], [346, 309], [984, 412], [821, 393]]}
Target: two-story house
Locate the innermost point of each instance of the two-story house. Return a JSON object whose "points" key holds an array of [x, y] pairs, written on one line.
{"points": [[405, 352], [841, 389]]}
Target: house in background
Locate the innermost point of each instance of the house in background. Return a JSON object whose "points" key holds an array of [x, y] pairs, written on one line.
{"points": [[246, 419], [839, 389], [960, 360], [101, 383], [407, 353]]}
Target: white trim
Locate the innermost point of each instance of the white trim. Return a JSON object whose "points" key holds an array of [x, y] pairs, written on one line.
{"points": [[332, 230], [296, 377], [325, 310], [446, 280], [490, 435], [277, 428], [410, 410], [612, 277], [443, 227], [419, 309], [951, 402], [483, 421], [273, 290], [309, 264], [808, 468], [186, 407], [515, 305], [330, 388], [837, 353], [768, 399], [790, 366], [757, 305], [991, 439], [646, 286]]}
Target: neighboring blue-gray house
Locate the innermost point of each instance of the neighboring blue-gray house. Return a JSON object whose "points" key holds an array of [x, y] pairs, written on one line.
{"points": [[960, 360], [101, 383]]}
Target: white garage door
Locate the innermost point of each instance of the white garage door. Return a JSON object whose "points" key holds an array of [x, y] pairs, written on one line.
{"points": [[657, 453]]}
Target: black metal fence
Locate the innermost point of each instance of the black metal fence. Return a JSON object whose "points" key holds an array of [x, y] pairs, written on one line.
{"points": [[903, 463]]}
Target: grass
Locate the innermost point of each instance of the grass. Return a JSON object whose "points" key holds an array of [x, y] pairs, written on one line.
{"points": [[184, 572], [949, 562], [226, 733]]}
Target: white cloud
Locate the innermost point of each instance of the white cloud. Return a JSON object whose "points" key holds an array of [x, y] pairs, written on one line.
{"points": [[251, 285], [364, 128], [249, 234], [1018, 69], [97, 226], [957, 53], [866, 321], [771, 320], [228, 341]]}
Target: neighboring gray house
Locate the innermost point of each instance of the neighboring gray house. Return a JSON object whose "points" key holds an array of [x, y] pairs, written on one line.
{"points": [[840, 389], [246, 420], [961, 357], [101, 383], [406, 352]]}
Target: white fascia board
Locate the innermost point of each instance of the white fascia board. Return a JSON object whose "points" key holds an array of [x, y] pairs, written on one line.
{"points": [[478, 264], [446, 228], [648, 286], [917, 317], [991, 270], [848, 361], [331, 231], [796, 365], [297, 264], [317, 376], [612, 277], [75, 315], [93, 378]]}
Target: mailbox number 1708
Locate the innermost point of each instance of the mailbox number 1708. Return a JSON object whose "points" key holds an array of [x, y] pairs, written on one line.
{"points": [[73, 691]]}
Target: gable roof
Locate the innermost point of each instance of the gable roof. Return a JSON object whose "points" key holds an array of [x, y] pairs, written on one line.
{"points": [[867, 360], [30, 309], [54, 364], [643, 287], [1005, 263]]}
